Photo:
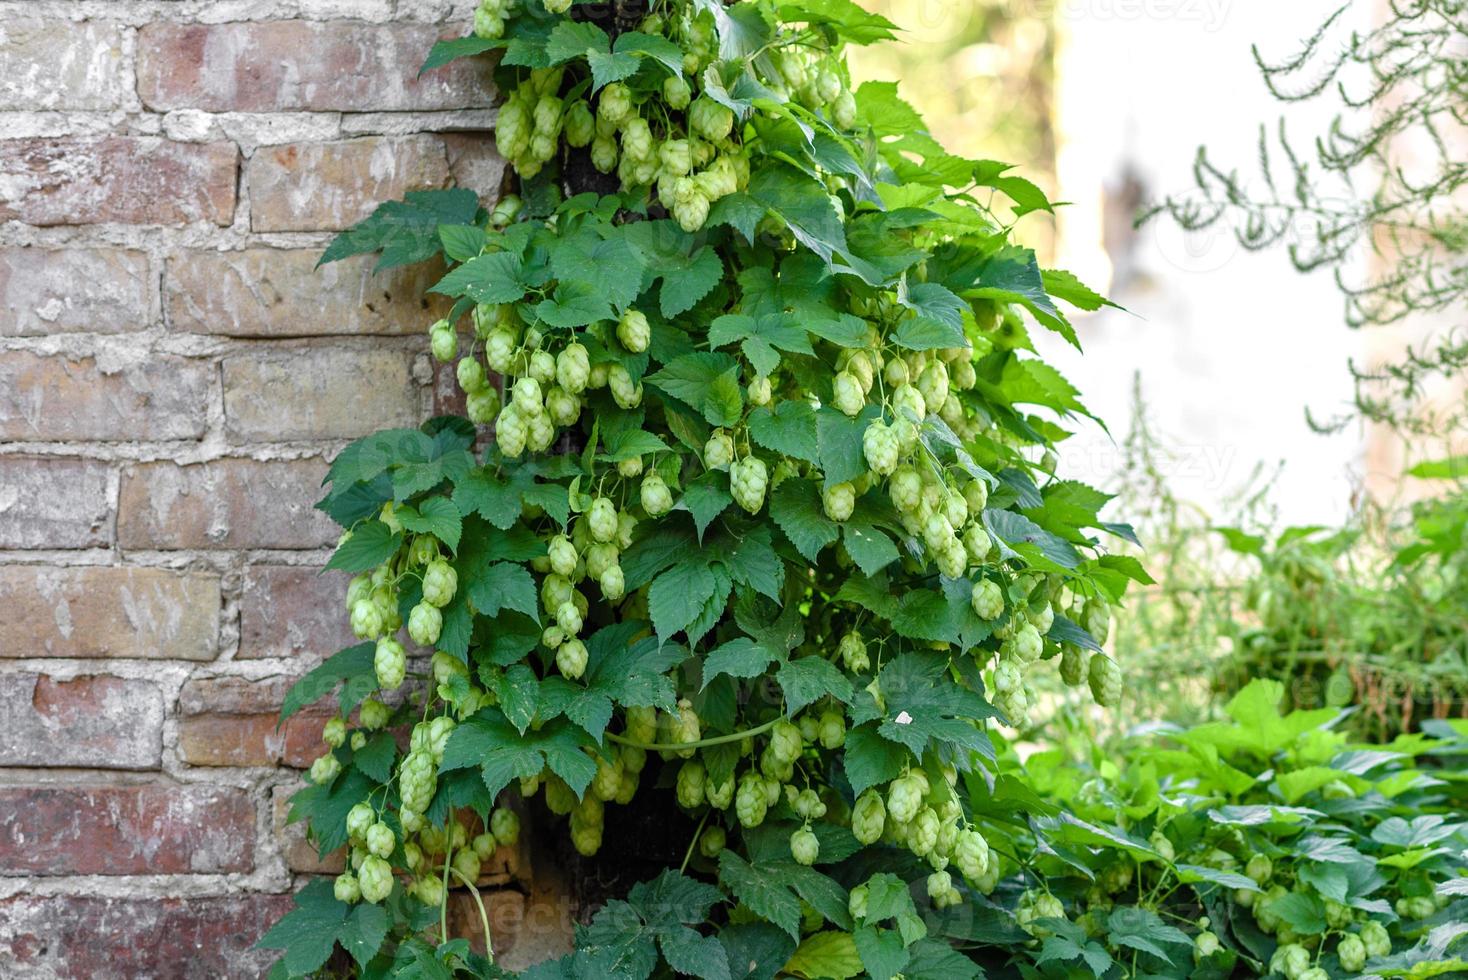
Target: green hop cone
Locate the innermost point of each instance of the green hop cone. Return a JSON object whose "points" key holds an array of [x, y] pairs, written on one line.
{"points": [[579, 124], [853, 652], [571, 657], [440, 582], [346, 889], [748, 480], [712, 841], [380, 839], [987, 599], [443, 343], [971, 854], [425, 623], [417, 780], [325, 769], [1105, 680], [633, 331], [832, 730], [390, 662], [718, 451], [505, 825], [367, 621], [805, 847], [601, 520], [868, 817], [880, 446], [656, 498], [359, 818], [710, 120], [847, 395], [625, 392], [1352, 953], [839, 500], [691, 783], [573, 368], [1377, 940], [750, 803], [904, 799], [375, 879]]}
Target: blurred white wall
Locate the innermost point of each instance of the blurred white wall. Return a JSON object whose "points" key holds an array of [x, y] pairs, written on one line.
{"points": [[1231, 346]]}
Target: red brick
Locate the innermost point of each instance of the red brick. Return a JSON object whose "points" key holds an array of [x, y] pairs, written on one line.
{"points": [[51, 290], [272, 292], [330, 186], [100, 611], [125, 830], [475, 163], [300, 854], [76, 937], [99, 722], [293, 611], [139, 180], [231, 721], [53, 502], [53, 399], [318, 393], [62, 64], [225, 503], [287, 65]]}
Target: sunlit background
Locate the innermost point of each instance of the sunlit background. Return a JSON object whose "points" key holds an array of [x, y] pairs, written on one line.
{"points": [[1104, 103]]}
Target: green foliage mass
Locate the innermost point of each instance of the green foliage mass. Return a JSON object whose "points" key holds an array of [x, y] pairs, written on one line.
{"points": [[767, 529], [1263, 844]]}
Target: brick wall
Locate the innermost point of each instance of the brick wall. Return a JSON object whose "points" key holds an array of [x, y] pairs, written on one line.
{"points": [[174, 372]]}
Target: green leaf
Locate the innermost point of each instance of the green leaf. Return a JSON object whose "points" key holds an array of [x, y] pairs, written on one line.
{"points": [[653, 46], [377, 756], [827, 954], [371, 544], [871, 760], [925, 708], [694, 955], [850, 20], [806, 680], [804, 204], [308, 932], [790, 429], [760, 337], [677, 596], [607, 68], [740, 657], [764, 891], [882, 952], [706, 498], [503, 585], [572, 39], [363, 931], [796, 507], [870, 548], [502, 753], [461, 242], [614, 945], [354, 661], [1036, 545], [452, 49], [690, 282], [752, 561], [842, 457], [575, 304], [707, 382], [757, 950], [405, 231], [497, 501], [436, 516], [1304, 913], [1141, 929], [493, 278]]}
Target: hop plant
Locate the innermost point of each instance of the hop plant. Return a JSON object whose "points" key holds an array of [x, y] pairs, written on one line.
{"points": [[1105, 680], [748, 480]]}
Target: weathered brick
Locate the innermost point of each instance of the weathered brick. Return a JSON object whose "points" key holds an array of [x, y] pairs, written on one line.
{"points": [[123, 830], [100, 722], [322, 393], [475, 163], [300, 854], [99, 611], [84, 290], [271, 292], [138, 180], [231, 721], [527, 928], [60, 64], [225, 503], [53, 502], [44, 399], [264, 66], [79, 937], [292, 611], [330, 186]]}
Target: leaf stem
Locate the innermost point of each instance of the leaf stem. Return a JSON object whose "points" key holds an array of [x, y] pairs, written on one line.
{"points": [[697, 831], [483, 915], [700, 744]]}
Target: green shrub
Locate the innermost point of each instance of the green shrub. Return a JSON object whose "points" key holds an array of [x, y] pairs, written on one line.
{"points": [[1265, 844]]}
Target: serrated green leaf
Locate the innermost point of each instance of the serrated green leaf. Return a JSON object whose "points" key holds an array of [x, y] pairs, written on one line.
{"points": [[371, 544]]}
